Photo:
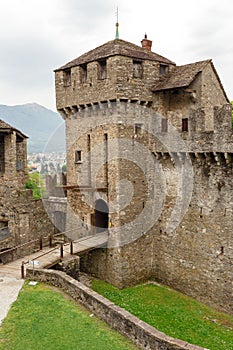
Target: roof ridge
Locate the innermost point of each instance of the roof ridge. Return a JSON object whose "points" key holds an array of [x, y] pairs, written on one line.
{"points": [[197, 62], [112, 48]]}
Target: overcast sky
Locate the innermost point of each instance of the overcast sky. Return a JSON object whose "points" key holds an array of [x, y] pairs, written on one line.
{"points": [[38, 36]]}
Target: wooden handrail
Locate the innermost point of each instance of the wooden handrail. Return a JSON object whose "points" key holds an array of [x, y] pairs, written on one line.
{"points": [[18, 246]]}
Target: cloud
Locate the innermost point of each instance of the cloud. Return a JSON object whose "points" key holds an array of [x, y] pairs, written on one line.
{"points": [[78, 18], [38, 36], [26, 61], [210, 30], [89, 9]]}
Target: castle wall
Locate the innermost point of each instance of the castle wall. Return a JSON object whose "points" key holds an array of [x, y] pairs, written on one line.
{"points": [[169, 192], [174, 105], [212, 95], [21, 161], [26, 219], [202, 95], [22, 219], [196, 257], [10, 156], [119, 83]]}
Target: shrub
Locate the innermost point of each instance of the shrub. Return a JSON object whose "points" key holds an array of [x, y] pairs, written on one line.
{"points": [[36, 184]]}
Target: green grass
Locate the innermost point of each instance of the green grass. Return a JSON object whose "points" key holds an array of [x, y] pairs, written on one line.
{"points": [[42, 318], [173, 313]]}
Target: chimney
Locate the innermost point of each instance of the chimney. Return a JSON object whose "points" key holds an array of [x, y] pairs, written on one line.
{"points": [[146, 44]]}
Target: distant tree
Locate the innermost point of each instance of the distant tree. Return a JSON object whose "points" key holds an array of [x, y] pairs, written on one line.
{"points": [[36, 184], [63, 169]]}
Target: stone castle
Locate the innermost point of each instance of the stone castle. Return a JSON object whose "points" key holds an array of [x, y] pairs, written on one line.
{"points": [[22, 219], [149, 160]]}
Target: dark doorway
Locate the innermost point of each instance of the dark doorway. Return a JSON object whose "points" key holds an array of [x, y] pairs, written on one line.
{"points": [[101, 216]]}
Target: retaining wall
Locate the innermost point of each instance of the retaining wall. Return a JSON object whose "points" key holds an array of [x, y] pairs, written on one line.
{"points": [[143, 335]]}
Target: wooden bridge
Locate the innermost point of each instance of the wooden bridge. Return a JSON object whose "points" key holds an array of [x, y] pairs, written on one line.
{"points": [[48, 257]]}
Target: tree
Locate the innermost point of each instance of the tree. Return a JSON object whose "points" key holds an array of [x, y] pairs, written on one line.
{"points": [[63, 169], [36, 184]]}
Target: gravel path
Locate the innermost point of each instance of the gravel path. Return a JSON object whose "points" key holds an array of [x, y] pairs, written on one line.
{"points": [[9, 290]]}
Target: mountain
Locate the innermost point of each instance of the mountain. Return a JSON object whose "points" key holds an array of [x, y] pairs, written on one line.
{"points": [[44, 127]]}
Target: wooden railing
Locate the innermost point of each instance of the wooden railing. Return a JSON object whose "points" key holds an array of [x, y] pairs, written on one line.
{"points": [[38, 244], [62, 244]]}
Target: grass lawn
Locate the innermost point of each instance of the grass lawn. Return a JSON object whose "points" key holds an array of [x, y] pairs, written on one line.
{"points": [[173, 313], [43, 318]]}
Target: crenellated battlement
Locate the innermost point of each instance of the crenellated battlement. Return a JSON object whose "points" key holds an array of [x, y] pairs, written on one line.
{"points": [[152, 144]]}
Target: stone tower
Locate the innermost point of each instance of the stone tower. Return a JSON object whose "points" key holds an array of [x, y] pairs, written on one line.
{"points": [[149, 157], [22, 219]]}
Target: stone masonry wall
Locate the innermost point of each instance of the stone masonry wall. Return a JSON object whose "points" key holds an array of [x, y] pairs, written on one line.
{"points": [[27, 220], [22, 219], [119, 83], [122, 267], [212, 95], [196, 256], [143, 335]]}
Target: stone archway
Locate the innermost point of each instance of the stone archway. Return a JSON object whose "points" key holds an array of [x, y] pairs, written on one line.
{"points": [[101, 216]]}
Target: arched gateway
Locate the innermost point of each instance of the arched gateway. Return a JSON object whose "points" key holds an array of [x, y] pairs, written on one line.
{"points": [[101, 216]]}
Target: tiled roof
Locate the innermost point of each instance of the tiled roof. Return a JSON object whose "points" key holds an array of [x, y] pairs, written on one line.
{"points": [[181, 76], [4, 127], [116, 47]]}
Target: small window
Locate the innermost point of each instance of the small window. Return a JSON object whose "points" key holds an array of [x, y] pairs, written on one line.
{"points": [[78, 156], [137, 69], [102, 69], [67, 77], [163, 69], [138, 129], [185, 124], [83, 76], [164, 125]]}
